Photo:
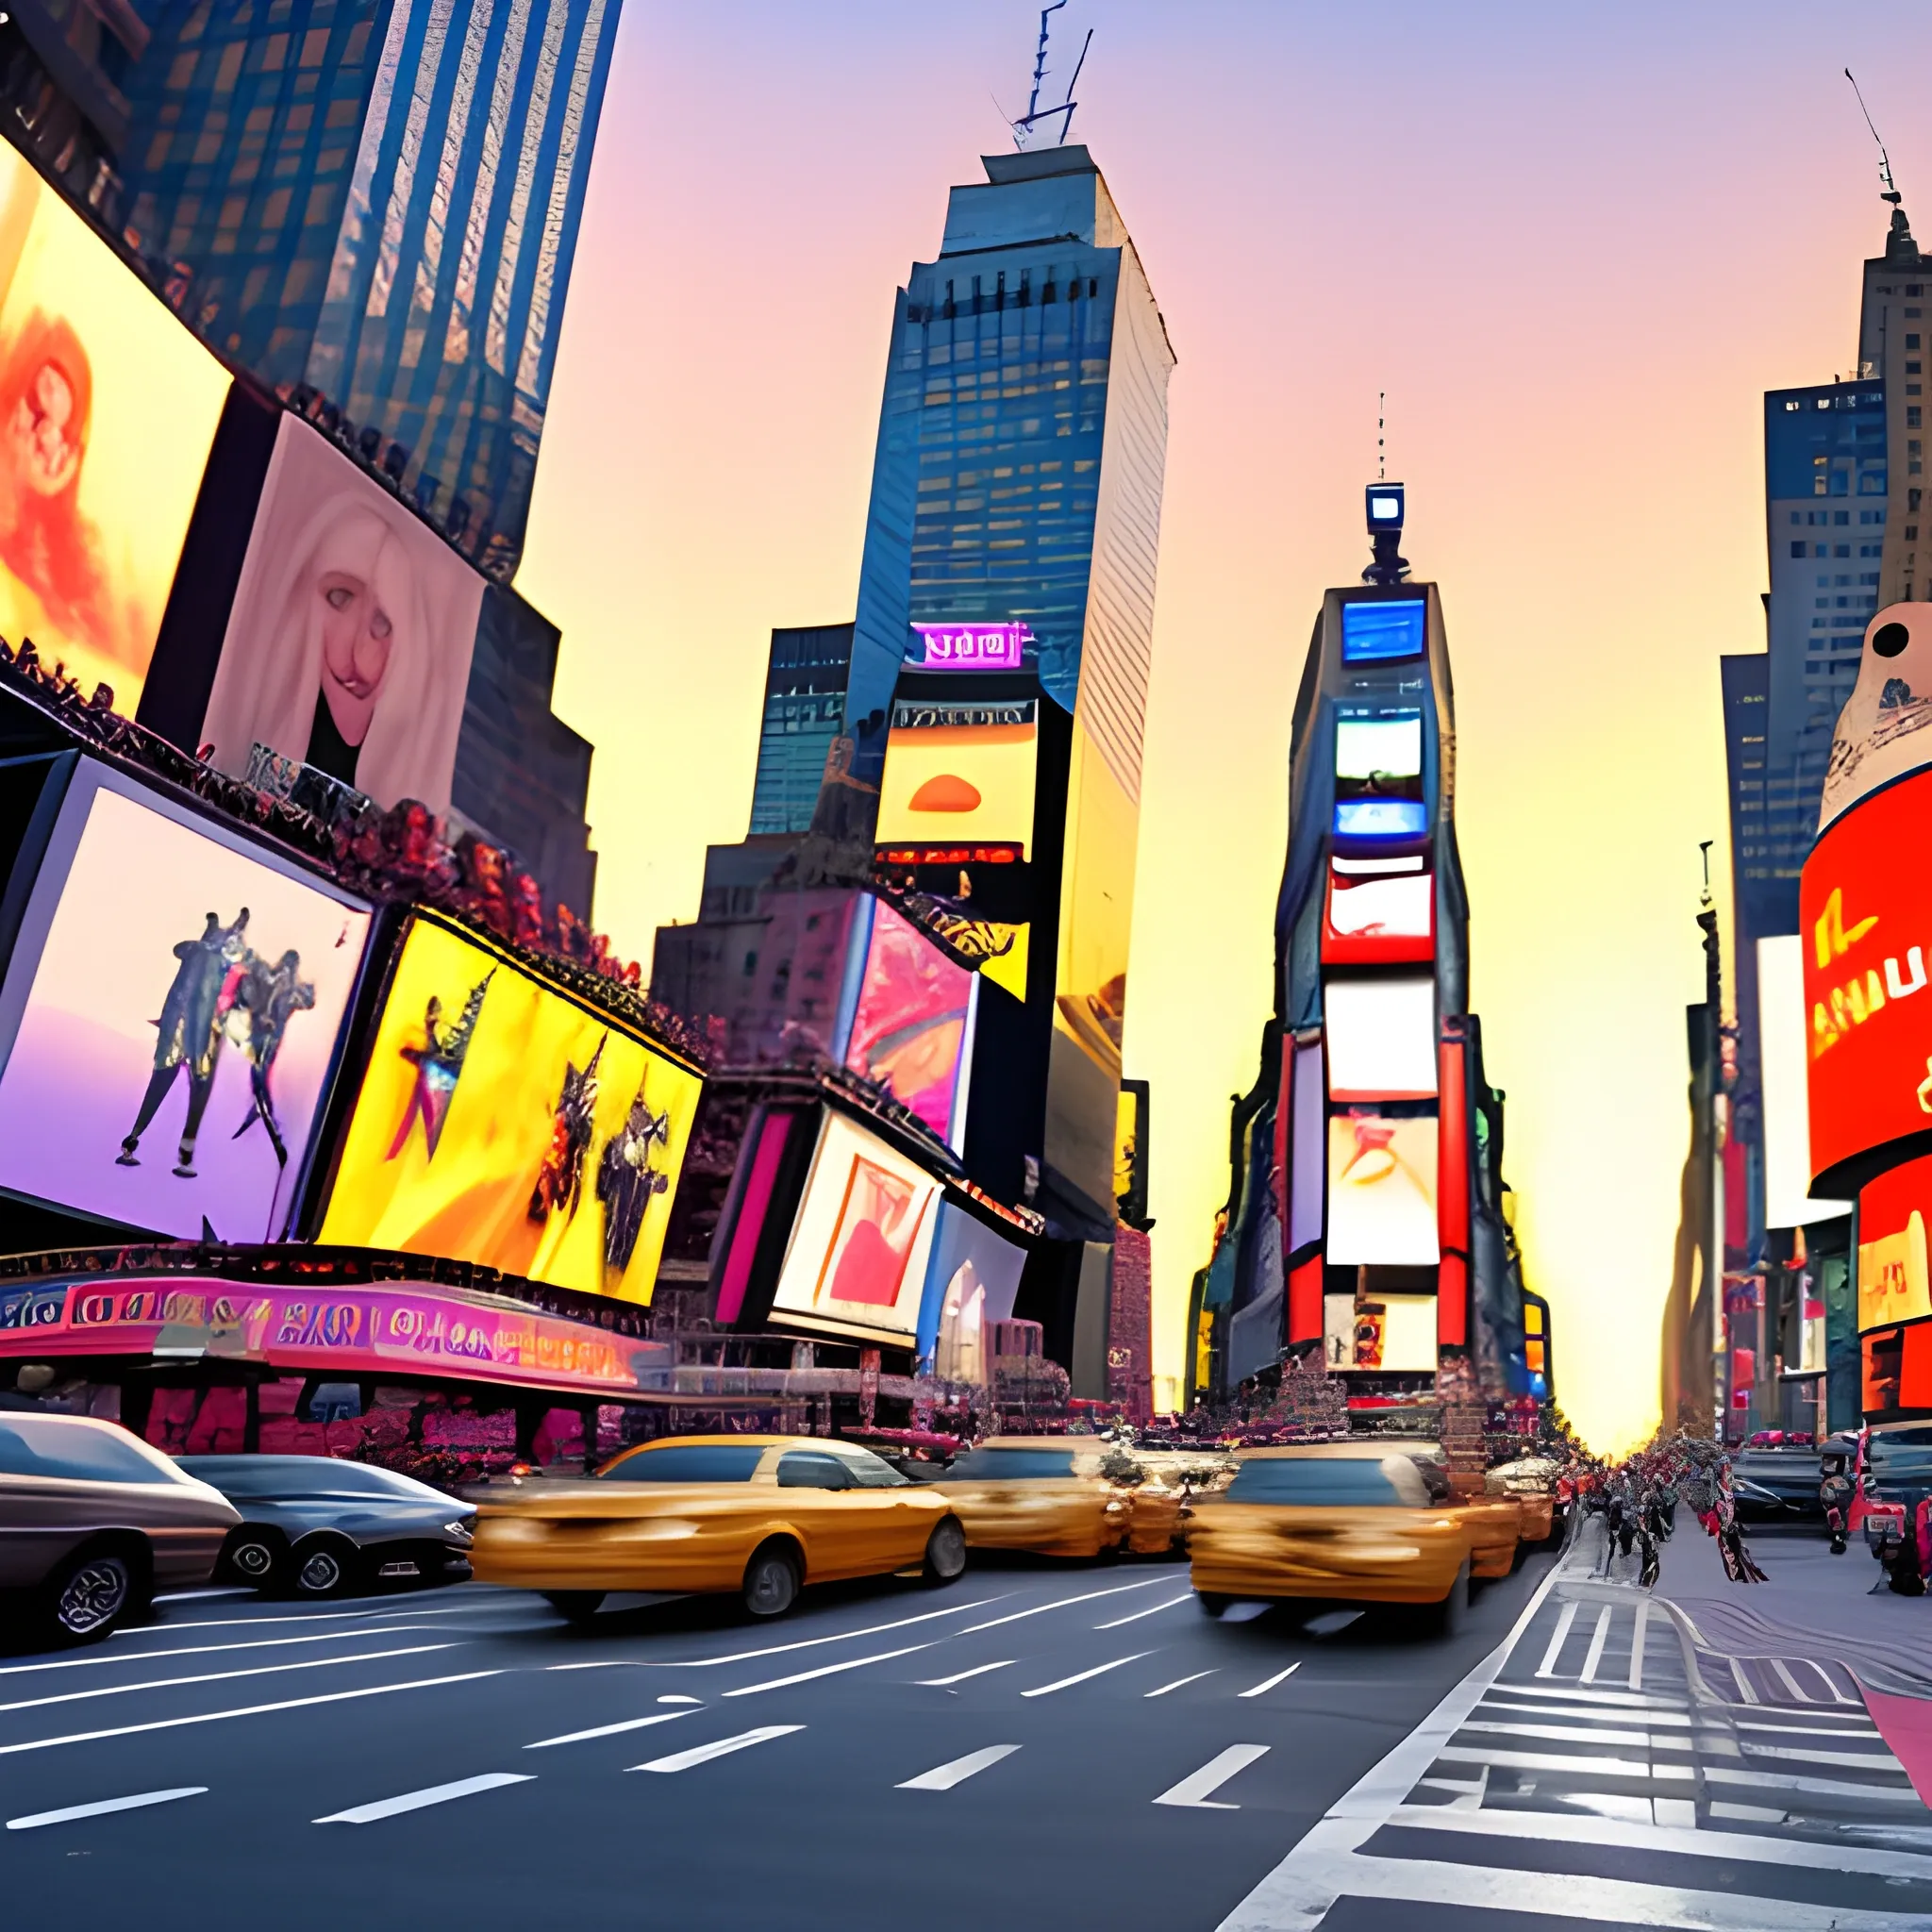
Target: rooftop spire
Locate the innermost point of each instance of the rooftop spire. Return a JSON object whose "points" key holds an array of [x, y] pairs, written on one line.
{"points": [[1899, 246], [1024, 127]]}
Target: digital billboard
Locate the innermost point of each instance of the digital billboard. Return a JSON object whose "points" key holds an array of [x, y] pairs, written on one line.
{"points": [[107, 410], [1379, 918], [169, 1018], [856, 1261], [1390, 1334], [1786, 1126], [1374, 632], [349, 640], [502, 1123], [1865, 925], [1894, 1282], [971, 1284], [1381, 1038], [973, 647], [959, 783], [912, 1025], [1881, 731], [1382, 1191]]}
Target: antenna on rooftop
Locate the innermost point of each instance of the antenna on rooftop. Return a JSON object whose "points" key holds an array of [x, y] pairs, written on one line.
{"points": [[1381, 436], [1023, 127], [1890, 194]]}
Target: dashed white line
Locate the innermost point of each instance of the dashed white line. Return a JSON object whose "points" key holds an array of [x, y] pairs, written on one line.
{"points": [[1059, 1604], [34, 1819], [852, 1663], [943, 1777], [1279, 1677], [960, 1676], [431, 1794], [1081, 1676], [1568, 1616], [142, 1657], [632, 1724], [311, 1663], [1178, 1682], [703, 1753], [1192, 1792], [1153, 1612]]}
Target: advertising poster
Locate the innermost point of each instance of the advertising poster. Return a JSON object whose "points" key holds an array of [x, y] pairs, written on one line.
{"points": [[1894, 1281], [1881, 731], [1377, 919], [911, 1026], [956, 778], [1382, 1191], [971, 1284], [856, 1261], [1381, 1038], [170, 1019], [107, 410], [502, 1123], [349, 642]]}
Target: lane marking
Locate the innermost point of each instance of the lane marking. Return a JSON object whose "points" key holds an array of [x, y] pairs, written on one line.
{"points": [[960, 1676], [430, 1794], [1573, 1694], [1081, 1676], [1059, 1604], [853, 1663], [234, 1623], [200, 1596], [1792, 1684], [943, 1777], [633, 1723], [1598, 1637], [34, 1819], [1637, 1641], [1153, 1612], [1814, 1786], [1589, 1714], [210, 1717], [1192, 1792], [1576, 1734], [1279, 1677], [312, 1663], [1566, 1763], [703, 1753], [746, 1657], [1865, 1760], [1568, 1616], [1177, 1683], [142, 1657], [678, 1697]]}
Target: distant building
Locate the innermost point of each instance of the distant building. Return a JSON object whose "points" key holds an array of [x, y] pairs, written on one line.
{"points": [[804, 703]]}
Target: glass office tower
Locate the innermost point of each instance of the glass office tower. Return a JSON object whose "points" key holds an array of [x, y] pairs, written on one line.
{"points": [[805, 701]]}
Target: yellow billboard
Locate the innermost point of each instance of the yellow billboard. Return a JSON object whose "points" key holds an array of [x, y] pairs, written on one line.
{"points": [[949, 788], [503, 1124]]}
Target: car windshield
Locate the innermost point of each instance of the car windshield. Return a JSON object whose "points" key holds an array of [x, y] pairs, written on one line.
{"points": [[1900, 1455], [1009, 1465], [77, 1452], [870, 1472], [1328, 1482], [690, 1462], [268, 1477]]}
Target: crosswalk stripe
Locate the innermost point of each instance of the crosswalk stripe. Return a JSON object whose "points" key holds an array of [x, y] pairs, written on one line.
{"points": [[1637, 1638], [1595, 1654], [1081, 1676], [724, 1747], [852, 1663], [632, 1724], [1192, 1792], [431, 1794], [34, 1819], [943, 1777], [1559, 1637]]}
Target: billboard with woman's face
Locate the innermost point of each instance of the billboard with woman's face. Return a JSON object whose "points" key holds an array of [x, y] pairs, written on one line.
{"points": [[349, 643], [107, 409]]}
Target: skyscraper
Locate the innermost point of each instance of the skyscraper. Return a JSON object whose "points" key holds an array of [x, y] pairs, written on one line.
{"points": [[805, 702]]}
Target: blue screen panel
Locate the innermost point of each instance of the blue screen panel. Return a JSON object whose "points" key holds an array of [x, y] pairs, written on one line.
{"points": [[1380, 818], [1372, 633]]}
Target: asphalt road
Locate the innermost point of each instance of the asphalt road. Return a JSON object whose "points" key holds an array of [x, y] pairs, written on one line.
{"points": [[1038, 1746]]}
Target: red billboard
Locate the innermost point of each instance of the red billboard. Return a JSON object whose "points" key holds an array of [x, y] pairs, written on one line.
{"points": [[1865, 924]]}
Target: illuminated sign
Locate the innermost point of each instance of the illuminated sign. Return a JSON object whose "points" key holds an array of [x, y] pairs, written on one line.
{"points": [[974, 646], [912, 1023], [958, 784], [107, 410], [1374, 632], [1374, 919], [971, 1284], [1865, 924], [1894, 1282], [1392, 1334], [1382, 1191], [170, 1018], [1881, 731], [1381, 1038], [1781, 1031], [502, 1123]]}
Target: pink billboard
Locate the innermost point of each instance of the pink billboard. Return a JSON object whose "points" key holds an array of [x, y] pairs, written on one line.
{"points": [[913, 1025], [973, 647]]}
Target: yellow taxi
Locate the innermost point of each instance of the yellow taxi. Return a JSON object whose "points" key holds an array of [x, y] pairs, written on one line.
{"points": [[758, 1515], [1051, 1494], [1531, 1480], [1348, 1523], [1494, 1518]]}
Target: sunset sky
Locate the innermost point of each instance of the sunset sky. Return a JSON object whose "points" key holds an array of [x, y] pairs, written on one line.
{"points": [[1574, 246]]}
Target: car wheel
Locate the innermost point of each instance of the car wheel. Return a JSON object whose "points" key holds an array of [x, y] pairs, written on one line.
{"points": [[575, 1606], [1448, 1617], [771, 1580], [255, 1556], [89, 1594], [945, 1552], [1211, 1604], [323, 1568]]}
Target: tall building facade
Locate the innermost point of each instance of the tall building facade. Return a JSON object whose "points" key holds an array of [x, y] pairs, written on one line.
{"points": [[375, 199], [804, 705]]}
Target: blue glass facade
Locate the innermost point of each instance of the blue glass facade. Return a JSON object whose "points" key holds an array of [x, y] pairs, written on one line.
{"points": [[805, 702]]}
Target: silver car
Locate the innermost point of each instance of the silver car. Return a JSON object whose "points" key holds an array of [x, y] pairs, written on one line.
{"points": [[93, 1522]]}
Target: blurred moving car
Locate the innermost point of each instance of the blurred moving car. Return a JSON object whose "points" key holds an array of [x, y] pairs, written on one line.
{"points": [[761, 1515], [1356, 1527], [1531, 1480], [93, 1522], [318, 1526], [1048, 1494], [1783, 1480]]}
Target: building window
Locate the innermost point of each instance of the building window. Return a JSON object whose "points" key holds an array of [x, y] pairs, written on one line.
{"points": [[1797, 550]]}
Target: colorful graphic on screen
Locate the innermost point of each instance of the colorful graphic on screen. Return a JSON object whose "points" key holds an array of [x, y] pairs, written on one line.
{"points": [[856, 1261], [973, 647], [1382, 1191], [913, 1021], [971, 1284], [501, 1122], [1881, 733], [349, 642], [1894, 1283], [1370, 920], [957, 789], [1386, 745], [108, 410], [1380, 818], [173, 1006], [1374, 632]]}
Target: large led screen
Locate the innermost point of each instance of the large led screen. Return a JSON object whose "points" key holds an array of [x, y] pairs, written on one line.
{"points": [[911, 1028], [169, 1019], [1781, 1031], [1382, 1191], [1381, 1038], [1372, 633], [856, 1261], [970, 1285], [1386, 1333], [1894, 1281], [954, 786], [107, 410], [1384, 918], [1865, 924], [1381, 745], [1881, 731], [349, 640], [501, 1122]]}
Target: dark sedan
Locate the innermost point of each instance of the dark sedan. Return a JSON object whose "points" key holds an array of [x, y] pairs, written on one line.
{"points": [[1770, 1483], [319, 1528]]}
